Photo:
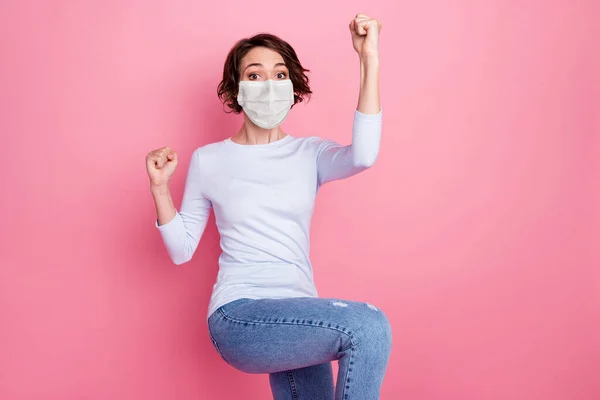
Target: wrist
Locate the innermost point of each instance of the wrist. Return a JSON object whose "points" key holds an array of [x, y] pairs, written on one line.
{"points": [[159, 189], [369, 67], [370, 58]]}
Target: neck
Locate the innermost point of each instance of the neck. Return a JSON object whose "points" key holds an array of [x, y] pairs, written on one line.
{"points": [[249, 133]]}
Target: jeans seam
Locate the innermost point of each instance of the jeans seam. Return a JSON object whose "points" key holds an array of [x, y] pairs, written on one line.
{"points": [[346, 386], [352, 337], [292, 385]]}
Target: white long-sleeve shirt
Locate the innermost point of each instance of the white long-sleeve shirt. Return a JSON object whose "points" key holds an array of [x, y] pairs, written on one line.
{"points": [[263, 199]]}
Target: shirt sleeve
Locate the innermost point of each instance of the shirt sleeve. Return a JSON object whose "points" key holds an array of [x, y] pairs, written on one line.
{"points": [[182, 234], [335, 161]]}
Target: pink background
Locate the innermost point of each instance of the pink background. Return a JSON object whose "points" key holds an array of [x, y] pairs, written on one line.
{"points": [[474, 231]]}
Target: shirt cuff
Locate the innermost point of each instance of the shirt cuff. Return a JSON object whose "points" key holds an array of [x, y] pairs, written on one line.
{"points": [[169, 225], [367, 117]]}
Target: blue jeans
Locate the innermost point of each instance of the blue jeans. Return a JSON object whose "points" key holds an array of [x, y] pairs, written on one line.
{"points": [[295, 339]]}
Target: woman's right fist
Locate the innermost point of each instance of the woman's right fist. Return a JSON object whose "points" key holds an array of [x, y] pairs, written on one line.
{"points": [[161, 164]]}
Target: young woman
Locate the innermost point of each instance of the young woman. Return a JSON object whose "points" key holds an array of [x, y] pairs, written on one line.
{"points": [[265, 315]]}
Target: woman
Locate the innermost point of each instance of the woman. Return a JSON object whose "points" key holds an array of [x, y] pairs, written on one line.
{"points": [[265, 315]]}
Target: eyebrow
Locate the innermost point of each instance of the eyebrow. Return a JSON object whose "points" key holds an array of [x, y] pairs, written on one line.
{"points": [[260, 65]]}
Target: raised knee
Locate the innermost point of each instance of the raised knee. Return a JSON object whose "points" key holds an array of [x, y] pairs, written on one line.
{"points": [[376, 328], [382, 328]]}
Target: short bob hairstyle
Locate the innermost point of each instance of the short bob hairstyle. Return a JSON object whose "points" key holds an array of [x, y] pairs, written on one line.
{"points": [[228, 87]]}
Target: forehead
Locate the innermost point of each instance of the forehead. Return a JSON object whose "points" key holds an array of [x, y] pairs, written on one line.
{"points": [[262, 55]]}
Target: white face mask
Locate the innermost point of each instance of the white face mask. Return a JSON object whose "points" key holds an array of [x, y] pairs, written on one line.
{"points": [[266, 103]]}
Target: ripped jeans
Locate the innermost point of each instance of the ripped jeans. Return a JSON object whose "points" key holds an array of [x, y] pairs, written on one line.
{"points": [[295, 339]]}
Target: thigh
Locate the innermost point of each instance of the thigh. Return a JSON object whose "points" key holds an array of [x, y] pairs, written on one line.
{"points": [[272, 335], [314, 383]]}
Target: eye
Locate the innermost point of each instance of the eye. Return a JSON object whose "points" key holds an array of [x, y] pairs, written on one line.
{"points": [[253, 76], [281, 75]]}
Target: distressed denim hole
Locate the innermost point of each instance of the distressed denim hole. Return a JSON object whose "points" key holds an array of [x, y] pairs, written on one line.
{"points": [[339, 304]]}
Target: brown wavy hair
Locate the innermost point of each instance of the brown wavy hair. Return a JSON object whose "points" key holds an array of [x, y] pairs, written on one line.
{"points": [[228, 87]]}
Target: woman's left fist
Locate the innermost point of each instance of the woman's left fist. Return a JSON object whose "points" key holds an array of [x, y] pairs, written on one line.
{"points": [[365, 35]]}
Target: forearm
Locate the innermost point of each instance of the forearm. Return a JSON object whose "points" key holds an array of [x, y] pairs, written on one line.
{"points": [[165, 209], [368, 98]]}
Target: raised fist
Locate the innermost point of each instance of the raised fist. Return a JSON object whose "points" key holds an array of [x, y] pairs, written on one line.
{"points": [[365, 35], [161, 164]]}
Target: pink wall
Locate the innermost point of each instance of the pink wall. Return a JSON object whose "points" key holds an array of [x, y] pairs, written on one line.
{"points": [[476, 224]]}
